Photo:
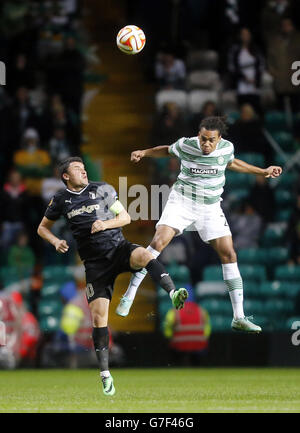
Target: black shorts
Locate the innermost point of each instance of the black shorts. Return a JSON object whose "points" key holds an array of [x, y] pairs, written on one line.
{"points": [[101, 273]]}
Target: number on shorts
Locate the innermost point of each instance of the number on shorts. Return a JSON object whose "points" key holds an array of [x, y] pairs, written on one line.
{"points": [[90, 290]]}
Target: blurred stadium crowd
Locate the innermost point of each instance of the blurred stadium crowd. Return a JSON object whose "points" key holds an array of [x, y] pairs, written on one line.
{"points": [[46, 50], [206, 58]]}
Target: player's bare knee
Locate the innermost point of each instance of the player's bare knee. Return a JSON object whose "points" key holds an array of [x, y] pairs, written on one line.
{"points": [[142, 258], [228, 256], [159, 243], [99, 320]]}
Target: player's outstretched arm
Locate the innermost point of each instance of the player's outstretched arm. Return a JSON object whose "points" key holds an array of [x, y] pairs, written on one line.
{"points": [[243, 167], [44, 231], [154, 152]]}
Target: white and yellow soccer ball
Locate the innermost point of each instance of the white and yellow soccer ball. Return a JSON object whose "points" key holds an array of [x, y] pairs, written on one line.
{"points": [[131, 39]]}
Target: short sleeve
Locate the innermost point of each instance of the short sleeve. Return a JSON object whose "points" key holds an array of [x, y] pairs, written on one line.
{"points": [[54, 209], [175, 148], [109, 194], [231, 158]]}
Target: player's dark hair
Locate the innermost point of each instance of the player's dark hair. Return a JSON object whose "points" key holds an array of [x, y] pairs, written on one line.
{"points": [[214, 123], [65, 164]]}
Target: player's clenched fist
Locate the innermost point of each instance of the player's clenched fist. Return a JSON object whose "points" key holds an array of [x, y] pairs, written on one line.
{"points": [[98, 226], [137, 155], [61, 246], [273, 171]]}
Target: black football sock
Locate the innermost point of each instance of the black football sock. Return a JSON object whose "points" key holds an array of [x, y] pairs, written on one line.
{"points": [[160, 276], [101, 344]]}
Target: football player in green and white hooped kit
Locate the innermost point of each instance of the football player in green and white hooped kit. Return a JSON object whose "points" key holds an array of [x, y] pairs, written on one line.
{"points": [[195, 198]]}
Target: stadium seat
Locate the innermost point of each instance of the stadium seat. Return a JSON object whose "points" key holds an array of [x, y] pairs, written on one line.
{"points": [[161, 163], [179, 273], [164, 96], [277, 256], [251, 289], [278, 307], [213, 273], [49, 324], [253, 272], [238, 195], [220, 323], [217, 306], [287, 180], [271, 289], [57, 273], [292, 289], [202, 59], [283, 197], [253, 306], [282, 159], [12, 275], [283, 215], [275, 121], [210, 288], [288, 273], [232, 116], [203, 80], [252, 256], [284, 140], [50, 290], [282, 289], [239, 180], [49, 308], [273, 235], [196, 99], [162, 294], [252, 158]]}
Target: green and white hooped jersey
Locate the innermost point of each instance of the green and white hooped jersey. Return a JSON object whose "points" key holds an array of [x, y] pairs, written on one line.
{"points": [[202, 177]]}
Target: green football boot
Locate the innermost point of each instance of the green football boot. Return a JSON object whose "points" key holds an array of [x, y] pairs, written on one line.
{"points": [[124, 306], [179, 297], [245, 325], [108, 385]]}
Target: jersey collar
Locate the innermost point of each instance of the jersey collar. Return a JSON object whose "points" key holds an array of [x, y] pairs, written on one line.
{"points": [[79, 192]]}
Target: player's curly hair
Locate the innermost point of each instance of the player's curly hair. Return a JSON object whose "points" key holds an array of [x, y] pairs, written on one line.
{"points": [[64, 165], [214, 123]]}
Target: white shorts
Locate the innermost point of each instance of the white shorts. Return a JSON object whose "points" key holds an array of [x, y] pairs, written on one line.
{"points": [[182, 214]]}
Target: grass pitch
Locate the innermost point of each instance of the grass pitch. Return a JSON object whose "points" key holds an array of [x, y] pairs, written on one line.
{"points": [[152, 391]]}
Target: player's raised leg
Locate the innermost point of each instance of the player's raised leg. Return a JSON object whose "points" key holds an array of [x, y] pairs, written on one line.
{"points": [[162, 238], [99, 312], [141, 257], [233, 280]]}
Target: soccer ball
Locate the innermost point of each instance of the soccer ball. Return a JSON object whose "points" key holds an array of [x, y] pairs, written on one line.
{"points": [[131, 39]]}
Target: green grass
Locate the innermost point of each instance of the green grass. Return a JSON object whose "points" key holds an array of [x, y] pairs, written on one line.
{"points": [[152, 390]]}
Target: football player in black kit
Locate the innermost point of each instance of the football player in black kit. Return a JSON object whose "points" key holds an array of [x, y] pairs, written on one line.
{"points": [[95, 217]]}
